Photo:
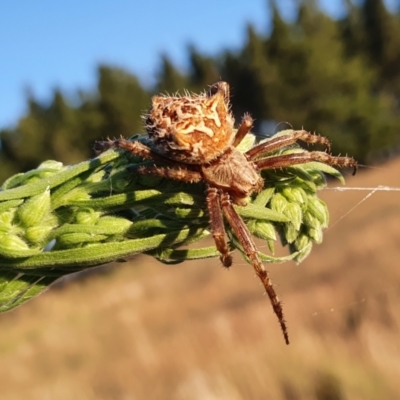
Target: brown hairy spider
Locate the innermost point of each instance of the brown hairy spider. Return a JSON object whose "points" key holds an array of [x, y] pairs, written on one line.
{"points": [[192, 137]]}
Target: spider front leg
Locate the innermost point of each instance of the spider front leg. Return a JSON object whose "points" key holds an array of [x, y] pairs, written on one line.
{"points": [[288, 160], [244, 129], [286, 140], [136, 148], [217, 225], [244, 236]]}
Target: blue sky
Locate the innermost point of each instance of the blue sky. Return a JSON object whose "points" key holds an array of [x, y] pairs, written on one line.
{"points": [[47, 44]]}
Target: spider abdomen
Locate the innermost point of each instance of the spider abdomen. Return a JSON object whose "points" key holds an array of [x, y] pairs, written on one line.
{"points": [[233, 173], [191, 129]]}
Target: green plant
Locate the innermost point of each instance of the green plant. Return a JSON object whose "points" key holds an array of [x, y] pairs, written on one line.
{"points": [[56, 219]]}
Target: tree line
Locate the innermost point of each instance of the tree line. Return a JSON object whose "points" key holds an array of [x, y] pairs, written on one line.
{"points": [[338, 77]]}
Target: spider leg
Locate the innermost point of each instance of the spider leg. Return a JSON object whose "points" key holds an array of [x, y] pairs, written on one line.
{"points": [[136, 148], [286, 140], [217, 225], [287, 160], [244, 236], [244, 129], [181, 174]]}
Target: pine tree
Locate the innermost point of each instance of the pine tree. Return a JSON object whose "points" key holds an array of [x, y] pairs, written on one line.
{"points": [[252, 77], [321, 88], [382, 42], [340, 78], [351, 30], [169, 78], [122, 102], [66, 133], [202, 70]]}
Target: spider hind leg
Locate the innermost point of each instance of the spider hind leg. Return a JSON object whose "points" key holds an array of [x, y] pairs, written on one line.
{"points": [[244, 236], [288, 160]]}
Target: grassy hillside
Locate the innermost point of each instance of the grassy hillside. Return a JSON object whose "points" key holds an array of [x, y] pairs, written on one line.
{"points": [[143, 330]]}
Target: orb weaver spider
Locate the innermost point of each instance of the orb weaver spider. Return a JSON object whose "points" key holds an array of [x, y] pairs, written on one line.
{"points": [[192, 139]]}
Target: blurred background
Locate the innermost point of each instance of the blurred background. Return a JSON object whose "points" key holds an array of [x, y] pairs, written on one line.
{"points": [[75, 73]]}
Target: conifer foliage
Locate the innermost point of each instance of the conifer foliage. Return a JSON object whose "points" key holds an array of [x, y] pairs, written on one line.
{"points": [[338, 77]]}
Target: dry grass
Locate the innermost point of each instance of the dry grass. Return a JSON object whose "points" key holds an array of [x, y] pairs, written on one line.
{"points": [[195, 331]]}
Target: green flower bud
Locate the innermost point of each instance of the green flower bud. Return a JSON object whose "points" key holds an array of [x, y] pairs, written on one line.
{"points": [[303, 253], [316, 234], [301, 247], [265, 230], [73, 239], [303, 241], [295, 214], [7, 218], [290, 232], [95, 178], [113, 225], [87, 216], [264, 197], [13, 242], [310, 220], [12, 246], [75, 195], [279, 203], [295, 194], [309, 187], [318, 209], [38, 234], [34, 209]]}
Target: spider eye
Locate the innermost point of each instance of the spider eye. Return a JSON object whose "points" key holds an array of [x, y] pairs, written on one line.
{"points": [[219, 87], [212, 90]]}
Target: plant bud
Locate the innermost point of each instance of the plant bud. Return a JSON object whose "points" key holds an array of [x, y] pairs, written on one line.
{"points": [[12, 246], [295, 195], [113, 225], [295, 214], [37, 234], [318, 209], [34, 209], [279, 203], [87, 216]]}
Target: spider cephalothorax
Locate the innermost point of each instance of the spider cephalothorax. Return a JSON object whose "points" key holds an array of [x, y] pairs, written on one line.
{"points": [[192, 139]]}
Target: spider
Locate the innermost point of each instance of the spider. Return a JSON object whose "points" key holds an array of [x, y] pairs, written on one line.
{"points": [[192, 139]]}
